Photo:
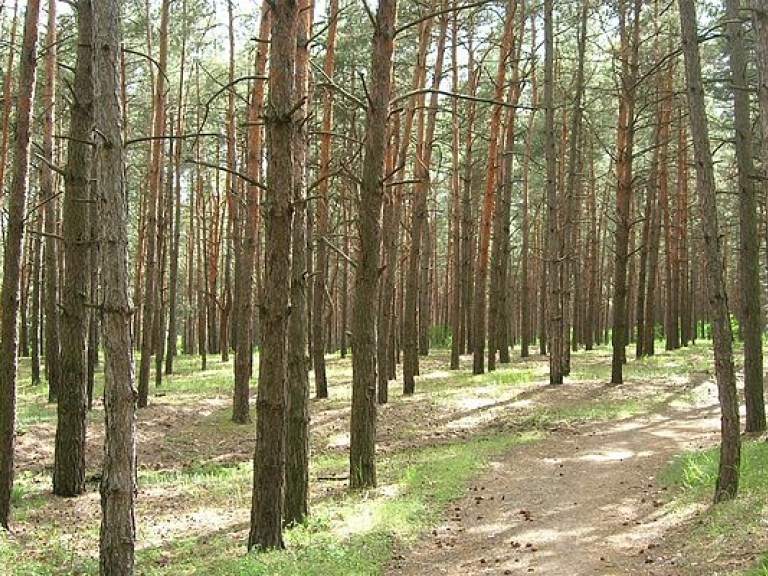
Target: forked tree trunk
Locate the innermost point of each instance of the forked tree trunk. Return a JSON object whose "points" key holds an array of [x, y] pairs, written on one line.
{"points": [[69, 457], [269, 458], [118, 481], [362, 446], [727, 485], [14, 238]]}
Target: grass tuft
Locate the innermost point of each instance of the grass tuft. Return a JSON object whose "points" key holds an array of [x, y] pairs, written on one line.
{"points": [[729, 526]]}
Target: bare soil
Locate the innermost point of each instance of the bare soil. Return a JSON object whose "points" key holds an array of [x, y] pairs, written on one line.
{"points": [[585, 500]]}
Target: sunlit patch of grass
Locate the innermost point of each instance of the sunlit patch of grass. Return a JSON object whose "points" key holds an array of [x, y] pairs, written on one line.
{"points": [[213, 481], [195, 474], [33, 407], [52, 557], [663, 364], [494, 384], [329, 464], [585, 413], [729, 526], [27, 494], [760, 570]]}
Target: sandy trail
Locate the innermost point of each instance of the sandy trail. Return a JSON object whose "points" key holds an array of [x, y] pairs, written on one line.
{"points": [[582, 501]]}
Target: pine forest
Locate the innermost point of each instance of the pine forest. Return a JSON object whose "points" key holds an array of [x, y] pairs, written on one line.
{"points": [[368, 287]]}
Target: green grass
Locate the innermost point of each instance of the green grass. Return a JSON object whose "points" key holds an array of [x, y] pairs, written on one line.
{"points": [[354, 535], [582, 414], [349, 533], [760, 570], [730, 525], [682, 362]]}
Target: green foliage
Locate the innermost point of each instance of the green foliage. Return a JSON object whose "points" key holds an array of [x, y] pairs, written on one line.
{"points": [[440, 336]]}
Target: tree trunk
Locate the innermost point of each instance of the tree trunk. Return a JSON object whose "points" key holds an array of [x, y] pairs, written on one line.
{"points": [[386, 319], [8, 97], [624, 186], [297, 432], [526, 324], [362, 449], [760, 21], [749, 244], [481, 265], [730, 447], [321, 249], [34, 312], [94, 323], [49, 197], [568, 240], [164, 209], [174, 289], [118, 482], [683, 239], [14, 239], [246, 258], [554, 268], [592, 273], [269, 457], [413, 313], [69, 458], [455, 200], [467, 219], [155, 182], [498, 305]]}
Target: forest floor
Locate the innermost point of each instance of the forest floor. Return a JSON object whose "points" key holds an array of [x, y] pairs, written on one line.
{"points": [[493, 474], [586, 500]]}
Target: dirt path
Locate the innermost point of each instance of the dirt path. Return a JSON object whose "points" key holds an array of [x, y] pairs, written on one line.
{"points": [[582, 501]]}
